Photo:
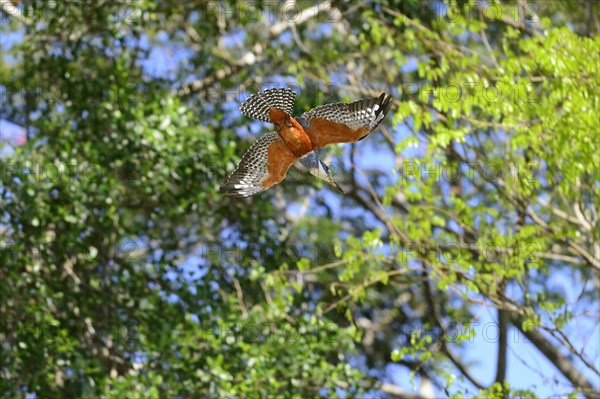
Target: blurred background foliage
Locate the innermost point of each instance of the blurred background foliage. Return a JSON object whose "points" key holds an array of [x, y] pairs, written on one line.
{"points": [[125, 273]]}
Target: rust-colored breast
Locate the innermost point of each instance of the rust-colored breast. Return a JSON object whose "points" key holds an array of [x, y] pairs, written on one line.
{"points": [[296, 138]]}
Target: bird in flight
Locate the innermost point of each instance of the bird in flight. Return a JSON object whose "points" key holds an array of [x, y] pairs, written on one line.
{"points": [[296, 140]]}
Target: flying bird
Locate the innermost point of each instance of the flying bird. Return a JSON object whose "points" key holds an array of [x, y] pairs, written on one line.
{"points": [[296, 140]]}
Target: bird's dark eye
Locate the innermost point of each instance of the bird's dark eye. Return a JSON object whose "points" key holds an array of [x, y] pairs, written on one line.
{"points": [[277, 126]]}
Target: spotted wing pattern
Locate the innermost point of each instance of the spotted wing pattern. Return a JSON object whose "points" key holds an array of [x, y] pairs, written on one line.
{"points": [[344, 122], [264, 164], [257, 106]]}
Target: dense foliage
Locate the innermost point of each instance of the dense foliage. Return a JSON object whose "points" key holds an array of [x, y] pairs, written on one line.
{"points": [[126, 274]]}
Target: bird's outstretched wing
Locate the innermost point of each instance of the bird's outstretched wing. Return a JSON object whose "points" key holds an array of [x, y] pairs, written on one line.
{"points": [[257, 106], [264, 165], [344, 122]]}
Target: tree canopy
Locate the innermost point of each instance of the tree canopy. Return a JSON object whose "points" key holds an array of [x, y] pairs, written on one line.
{"points": [[463, 260]]}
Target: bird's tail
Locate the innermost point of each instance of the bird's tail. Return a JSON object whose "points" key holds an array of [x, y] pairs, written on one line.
{"points": [[257, 106]]}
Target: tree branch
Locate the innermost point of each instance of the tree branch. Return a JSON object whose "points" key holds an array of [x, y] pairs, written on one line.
{"points": [[255, 55], [502, 345], [560, 361], [12, 10]]}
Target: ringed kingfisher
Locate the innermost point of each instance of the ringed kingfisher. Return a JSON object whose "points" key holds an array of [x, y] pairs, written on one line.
{"points": [[296, 140]]}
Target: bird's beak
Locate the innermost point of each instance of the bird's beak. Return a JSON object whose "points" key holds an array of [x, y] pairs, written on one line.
{"points": [[335, 184]]}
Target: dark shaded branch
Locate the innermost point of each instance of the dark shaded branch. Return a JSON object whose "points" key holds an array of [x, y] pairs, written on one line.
{"points": [[444, 346], [502, 345]]}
